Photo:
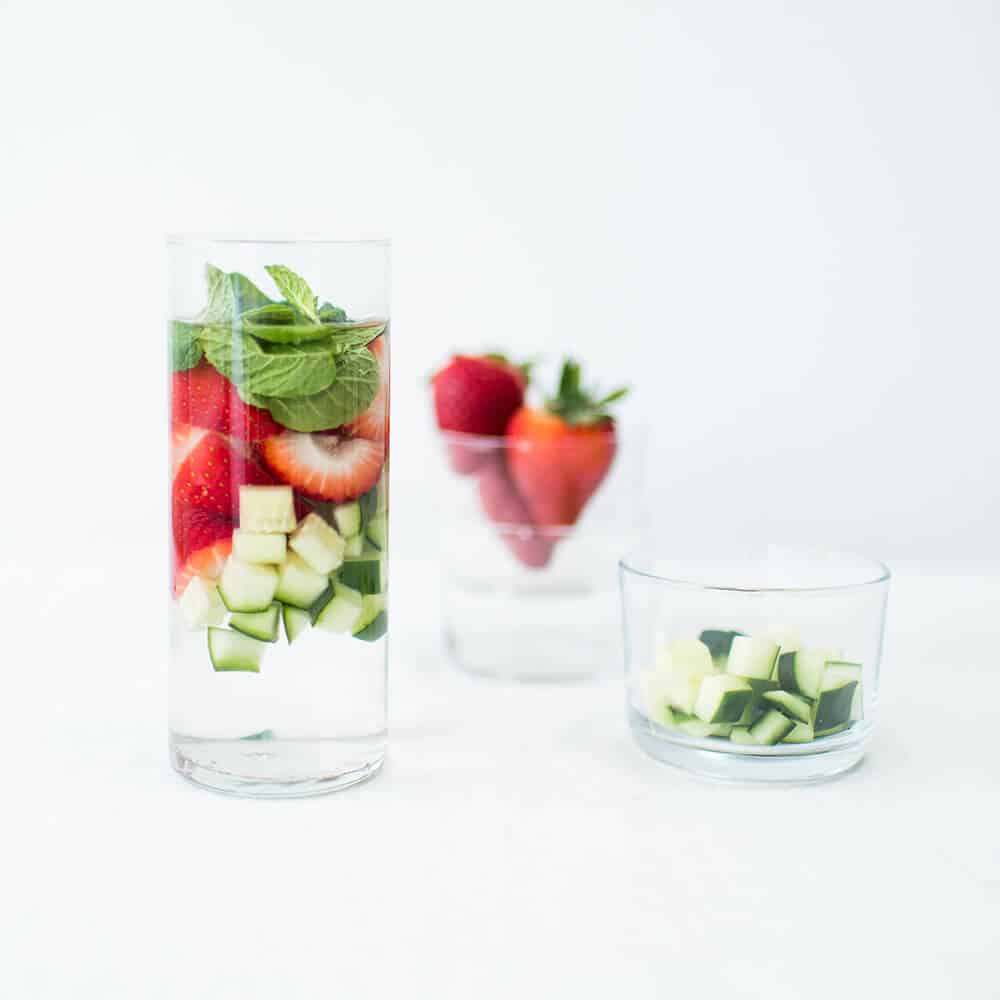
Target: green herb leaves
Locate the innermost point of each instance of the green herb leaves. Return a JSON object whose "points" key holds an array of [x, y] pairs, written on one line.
{"points": [[305, 363], [295, 289], [349, 395]]}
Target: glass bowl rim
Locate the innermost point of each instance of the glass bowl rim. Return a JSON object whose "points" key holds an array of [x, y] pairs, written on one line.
{"points": [[882, 574], [268, 239]]}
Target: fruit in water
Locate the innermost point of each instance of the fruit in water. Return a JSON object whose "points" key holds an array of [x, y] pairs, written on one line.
{"points": [[207, 562], [201, 605], [374, 422], [204, 398], [327, 466], [558, 456], [267, 509], [506, 508], [318, 544], [195, 529], [210, 475]]}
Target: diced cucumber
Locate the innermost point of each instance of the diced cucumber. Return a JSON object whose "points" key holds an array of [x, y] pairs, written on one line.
{"points": [[296, 622], [836, 695], [318, 544], [771, 727], [347, 517], [231, 651], [341, 612], [691, 653], [793, 705], [741, 735], [851, 671], [354, 547], [682, 665], [298, 583], [376, 500], [267, 509], [366, 573], [259, 547], [247, 586], [372, 622], [750, 657], [702, 730], [756, 707], [719, 642], [201, 605], [722, 698], [832, 730], [801, 672], [378, 530], [261, 625], [655, 686], [802, 732]]}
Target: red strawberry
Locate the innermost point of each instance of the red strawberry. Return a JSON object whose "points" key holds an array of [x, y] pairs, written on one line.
{"points": [[476, 395], [183, 440], [195, 528], [506, 508], [249, 423], [210, 476], [207, 561], [326, 465], [200, 396], [559, 456], [373, 424]]}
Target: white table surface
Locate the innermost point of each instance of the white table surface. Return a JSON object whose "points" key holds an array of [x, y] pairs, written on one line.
{"points": [[516, 843]]}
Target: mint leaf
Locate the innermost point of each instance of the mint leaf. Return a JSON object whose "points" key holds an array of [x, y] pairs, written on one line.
{"points": [[280, 323], [269, 369], [185, 350], [295, 289], [229, 295], [351, 393], [332, 314]]}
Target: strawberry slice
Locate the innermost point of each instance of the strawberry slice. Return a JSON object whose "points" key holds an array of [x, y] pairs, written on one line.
{"points": [[183, 440], [200, 396], [207, 562], [210, 475], [325, 465], [373, 424], [249, 423], [506, 508]]}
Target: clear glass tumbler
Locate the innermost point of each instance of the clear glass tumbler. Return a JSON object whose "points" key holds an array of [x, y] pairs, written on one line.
{"points": [[761, 665], [279, 435], [522, 600]]}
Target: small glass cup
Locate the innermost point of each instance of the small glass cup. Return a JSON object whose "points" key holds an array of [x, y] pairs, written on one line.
{"points": [[760, 666], [279, 512], [526, 601]]}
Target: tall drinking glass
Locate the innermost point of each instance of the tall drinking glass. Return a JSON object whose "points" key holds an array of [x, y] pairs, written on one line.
{"points": [[279, 502]]}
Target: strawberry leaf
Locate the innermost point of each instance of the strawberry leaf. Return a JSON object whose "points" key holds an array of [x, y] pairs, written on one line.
{"points": [[577, 405]]}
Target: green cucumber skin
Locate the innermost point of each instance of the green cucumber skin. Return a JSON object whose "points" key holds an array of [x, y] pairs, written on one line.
{"points": [[296, 622], [786, 673], [795, 706], [833, 708], [262, 625], [719, 641], [364, 575], [374, 631], [316, 609], [731, 708]]}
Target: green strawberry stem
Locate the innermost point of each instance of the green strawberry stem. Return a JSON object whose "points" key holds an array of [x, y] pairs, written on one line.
{"points": [[579, 406]]}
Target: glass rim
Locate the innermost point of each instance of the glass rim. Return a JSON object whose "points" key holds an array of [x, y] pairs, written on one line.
{"points": [[484, 441], [882, 574], [269, 239]]}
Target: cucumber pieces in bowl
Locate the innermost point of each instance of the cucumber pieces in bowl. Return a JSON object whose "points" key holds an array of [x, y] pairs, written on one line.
{"points": [[753, 690]]}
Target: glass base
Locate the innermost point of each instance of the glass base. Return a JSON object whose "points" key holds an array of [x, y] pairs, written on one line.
{"points": [[263, 766], [798, 762]]}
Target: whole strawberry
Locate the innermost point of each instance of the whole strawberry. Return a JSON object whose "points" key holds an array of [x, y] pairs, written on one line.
{"points": [[559, 455], [476, 395]]}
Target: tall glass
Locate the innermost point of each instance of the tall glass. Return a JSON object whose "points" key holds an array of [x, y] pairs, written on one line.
{"points": [[279, 441], [524, 600]]}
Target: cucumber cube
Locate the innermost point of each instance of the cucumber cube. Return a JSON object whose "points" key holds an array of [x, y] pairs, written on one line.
{"points": [[719, 642], [259, 547], [347, 517], [298, 583], [722, 699], [247, 586], [754, 658], [318, 544], [341, 612], [201, 605], [741, 735], [365, 574], [836, 696], [702, 730], [378, 530], [372, 605], [802, 732], [801, 672], [793, 705], [354, 547], [849, 671], [296, 622], [261, 625], [229, 650], [267, 508], [771, 728]]}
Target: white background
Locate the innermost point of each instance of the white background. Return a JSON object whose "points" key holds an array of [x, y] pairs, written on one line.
{"points": [[779, 220]]}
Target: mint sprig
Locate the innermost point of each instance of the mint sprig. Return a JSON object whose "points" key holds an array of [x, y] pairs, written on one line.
{"points": [[296, 290]]}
